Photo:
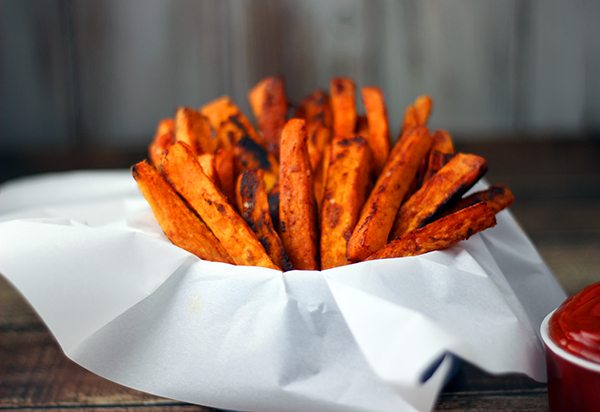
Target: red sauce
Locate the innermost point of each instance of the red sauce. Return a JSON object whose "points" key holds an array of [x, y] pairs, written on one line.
{"points": [[575, 326]]}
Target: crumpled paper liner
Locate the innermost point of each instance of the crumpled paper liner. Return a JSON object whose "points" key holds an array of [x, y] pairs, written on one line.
{"points": [[122, 301]]}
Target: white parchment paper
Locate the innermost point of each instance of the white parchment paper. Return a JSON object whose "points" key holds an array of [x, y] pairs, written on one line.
{"points": [[122, 301]]}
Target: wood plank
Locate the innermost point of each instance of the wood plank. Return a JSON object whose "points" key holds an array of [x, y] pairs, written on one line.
{"points": [[35, 373], [137, 64], [36, 98], [512, 401], [465, 62], [551, 80]]}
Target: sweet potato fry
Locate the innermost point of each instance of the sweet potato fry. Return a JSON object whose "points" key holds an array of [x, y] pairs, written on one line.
{"points": [[378, 138], [343, 104], [441, 152], [316, 108], [321, 176], [296, 203], [207, 162], [193, 128], [316, 111], [159, 146], [345, 192], [378, 213], [269, 104], [224, 164], [497, 197], [165, 126], [274, 206], [440, 234], [182, 226], [222, 110], [418, 113], [251, 156], [253, 205], [451, 181], [185, 174]]}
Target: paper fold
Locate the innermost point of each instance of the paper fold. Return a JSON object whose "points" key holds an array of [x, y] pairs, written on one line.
{"points": [[123, 302]]}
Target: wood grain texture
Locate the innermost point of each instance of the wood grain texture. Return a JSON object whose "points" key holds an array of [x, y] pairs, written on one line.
{"points": [[137, 63], [81, 74], [36, 101]]}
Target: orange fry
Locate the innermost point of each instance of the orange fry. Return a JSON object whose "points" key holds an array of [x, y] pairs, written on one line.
{"points": [[296, 202], [345, 193], [440, 234], [159, 146], [378, 213], [185, 174], [321, 176], [417, 114], [222, 110], [441, 152], [316, 110], [378, 137], [193, 128], [343, 104], [251, 156], [270, 106], [224, 164], [207, 162], [184, 228], [452, 180], [497, 197], [253, 205]]}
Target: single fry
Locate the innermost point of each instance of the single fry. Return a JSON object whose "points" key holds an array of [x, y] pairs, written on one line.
{"points": [[378, 213], [274, 206], [222, 110], [378, 137], [193, 128], [165, 126], [417, 114], [159, 147], [440, 234], [182, 226], [316, 108], [185, 174], [343, 104], [224, 165], [207, 162], [442, 150], [270, 107], [316, 111], [251, 156], [498, 197], [452, 180], [345, 192], [296, 202], [321, 176], [253, 205]]}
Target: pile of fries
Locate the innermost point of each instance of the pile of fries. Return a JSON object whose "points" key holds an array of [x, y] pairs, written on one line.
{"points": [[316, 190]]}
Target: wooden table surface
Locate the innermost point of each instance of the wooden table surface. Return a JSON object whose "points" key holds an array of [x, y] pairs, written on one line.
{"points": [[557, 185]]}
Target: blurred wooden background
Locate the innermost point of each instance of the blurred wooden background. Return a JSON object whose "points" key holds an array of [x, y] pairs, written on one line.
{"points": [[83, 74]]}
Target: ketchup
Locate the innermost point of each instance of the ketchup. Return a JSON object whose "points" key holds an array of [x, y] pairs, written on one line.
{"points": [[575, 326]]}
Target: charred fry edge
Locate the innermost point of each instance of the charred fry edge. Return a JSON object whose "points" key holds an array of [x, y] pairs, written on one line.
{"points": [[185, 174], [253, 205], [440, 234], [378, 213], [451, 181]]}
